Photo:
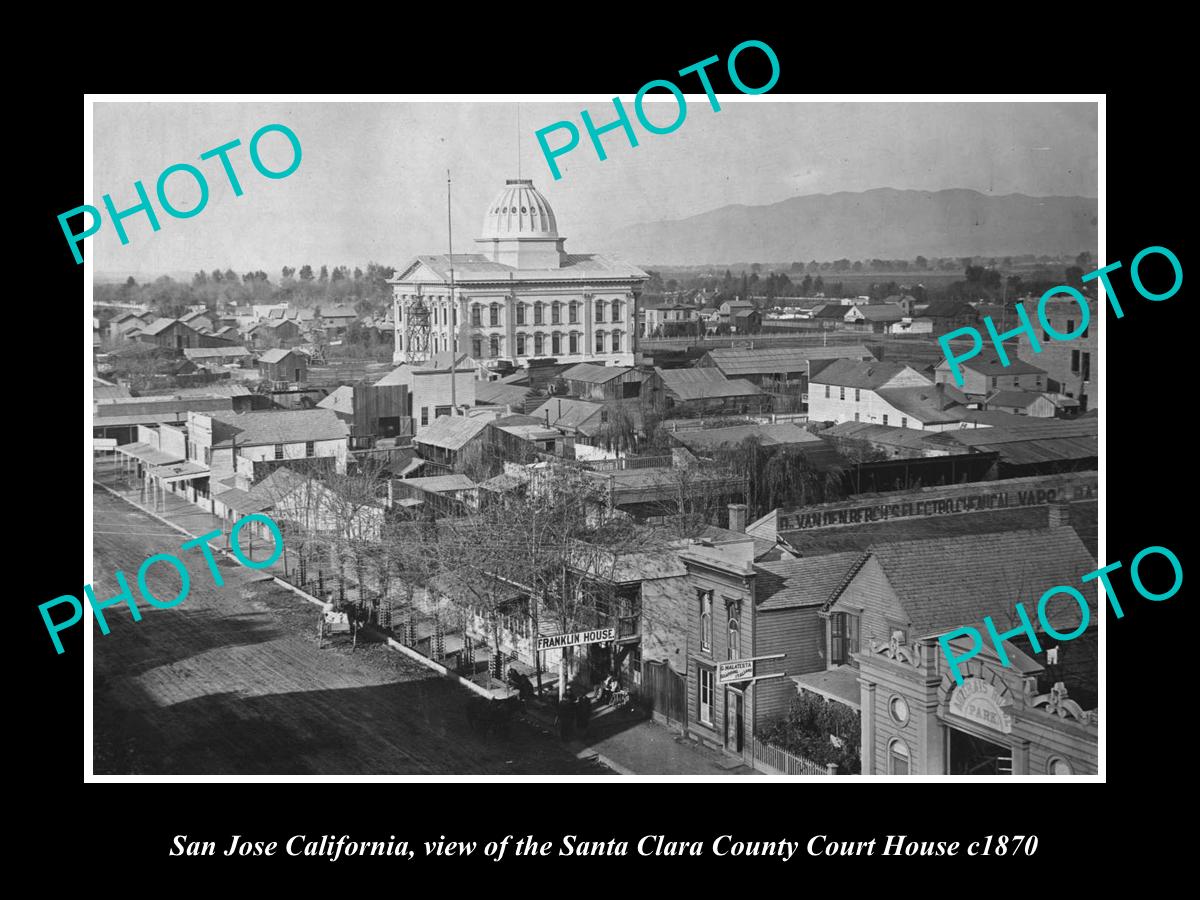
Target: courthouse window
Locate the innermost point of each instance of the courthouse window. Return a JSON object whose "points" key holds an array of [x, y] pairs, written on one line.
{"points": [[556, 343], [616, 308], [537, 344], [599, 310], [599, 341], [556, 314], [537, 314], [520, 345], [494, 345], [520, 313], [574, 342], [841, 393], [494, 314], [476, 316], [616, 342], [898, 759], [573, 312], [476, 347]]}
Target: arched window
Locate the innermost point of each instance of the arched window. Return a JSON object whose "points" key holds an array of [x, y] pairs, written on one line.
{"points": [[537, 314], [616, 342], [556, 343], [706, 599], [555, 313], [520, 345], [599, 341], [574, 342], [735, 645], [494, 314], [1058, 766], [616, 308], [538, 343], [898, 758], [494, 345], [599, 310], [477, 347], [476, 315], [520, 313], [573, 312]]}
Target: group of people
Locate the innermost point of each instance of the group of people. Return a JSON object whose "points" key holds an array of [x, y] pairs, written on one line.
{"points": [[576, 713]]}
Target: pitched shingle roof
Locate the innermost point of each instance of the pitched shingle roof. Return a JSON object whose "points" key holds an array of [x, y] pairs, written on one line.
{"points": [[853, 373], [451, 432], [593, 374], [158, 325], [283, 427], [437, 484], [731, 436], [275, 355], [929, 405], [808, 581], [778, 360], [992, 366], [947, 583], [706, 383]]}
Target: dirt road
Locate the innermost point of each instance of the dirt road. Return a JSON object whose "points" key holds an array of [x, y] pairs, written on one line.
{"points": [[231, 682]]}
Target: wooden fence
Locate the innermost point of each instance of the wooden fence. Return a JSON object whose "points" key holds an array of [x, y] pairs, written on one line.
{"points": [[773, 760]]}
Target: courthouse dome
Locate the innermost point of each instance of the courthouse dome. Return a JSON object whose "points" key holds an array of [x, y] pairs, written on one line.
{"points": [[519, 210]]}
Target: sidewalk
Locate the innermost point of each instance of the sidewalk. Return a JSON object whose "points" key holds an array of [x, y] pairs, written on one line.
{"points": [[636, 746]]}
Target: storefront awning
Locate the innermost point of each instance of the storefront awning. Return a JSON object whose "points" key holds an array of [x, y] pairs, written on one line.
{"points": [[148, 454], [182, 471]]}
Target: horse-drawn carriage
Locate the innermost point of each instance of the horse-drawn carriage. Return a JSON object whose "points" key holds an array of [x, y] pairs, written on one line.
{"points": [[487, 717]]}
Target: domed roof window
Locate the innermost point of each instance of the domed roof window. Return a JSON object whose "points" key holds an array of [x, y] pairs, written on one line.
{"points": [[520, 210]]}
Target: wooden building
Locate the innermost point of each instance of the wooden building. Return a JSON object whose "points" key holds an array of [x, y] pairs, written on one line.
{"points": [[280, 364]]}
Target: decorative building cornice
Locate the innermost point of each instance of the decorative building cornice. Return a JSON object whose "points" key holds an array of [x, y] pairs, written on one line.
{"points": [[893, 649], [1057, 703]]}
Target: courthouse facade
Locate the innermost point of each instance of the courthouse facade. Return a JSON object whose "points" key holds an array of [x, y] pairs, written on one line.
{"points": [[520, 296]]}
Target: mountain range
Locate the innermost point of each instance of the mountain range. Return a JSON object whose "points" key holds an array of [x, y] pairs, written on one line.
{"points": [[882, 223]]}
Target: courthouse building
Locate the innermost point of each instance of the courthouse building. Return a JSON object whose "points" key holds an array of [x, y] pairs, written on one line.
{"points": [[520, 296]]}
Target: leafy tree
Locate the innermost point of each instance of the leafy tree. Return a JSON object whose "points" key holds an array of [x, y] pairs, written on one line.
{"points": [[921, 264], [306, 273], [323, 278], [288, 272]]}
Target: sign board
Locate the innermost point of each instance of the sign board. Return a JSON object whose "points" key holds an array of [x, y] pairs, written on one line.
{"points": [[575, 638], [735, 670], [980, 702]]}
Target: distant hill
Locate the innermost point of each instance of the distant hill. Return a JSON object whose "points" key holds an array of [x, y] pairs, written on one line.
{"points": [[882, 223]]}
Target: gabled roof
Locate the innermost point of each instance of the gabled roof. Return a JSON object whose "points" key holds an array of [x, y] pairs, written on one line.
{"points": [[1014, 399], [593, 374], [214, 352], [929, 405], [880, 312], [282, 427], [778, 360], [578, 415], [341, 400], [501, 394], [194, 314], [948, 583], [451, 432], [437, 484], [768, 436], [158, 325], [339, 312], [830, 311], [992, 366], [704, 383], [871, 375], [946, 308], [278, 354], [808, 581]]}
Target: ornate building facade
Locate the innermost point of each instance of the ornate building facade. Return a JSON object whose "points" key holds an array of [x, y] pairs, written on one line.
{"points": [[520, 297]]}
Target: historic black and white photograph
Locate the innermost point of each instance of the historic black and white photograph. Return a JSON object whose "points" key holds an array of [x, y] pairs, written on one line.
{"points": [[486, 438]]}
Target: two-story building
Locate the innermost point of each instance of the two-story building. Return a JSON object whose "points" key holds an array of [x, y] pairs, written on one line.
{"points": [[984, 375], [883, 393]]}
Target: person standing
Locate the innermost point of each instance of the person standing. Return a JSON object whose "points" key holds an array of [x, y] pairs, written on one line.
{"points": [[566, 716], [583, 713]]}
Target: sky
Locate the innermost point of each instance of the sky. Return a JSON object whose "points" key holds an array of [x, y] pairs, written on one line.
{"points": [[371, 185]]}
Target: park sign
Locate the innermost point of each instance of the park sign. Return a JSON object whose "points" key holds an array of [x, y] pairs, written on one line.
{"points": [[575, 638]]}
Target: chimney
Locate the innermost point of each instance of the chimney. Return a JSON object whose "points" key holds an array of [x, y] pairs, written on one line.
{"points": [[1060, 514], [737, 517]]}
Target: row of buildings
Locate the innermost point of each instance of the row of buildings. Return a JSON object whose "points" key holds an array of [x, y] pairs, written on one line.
{"points": [[971, 501]]}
